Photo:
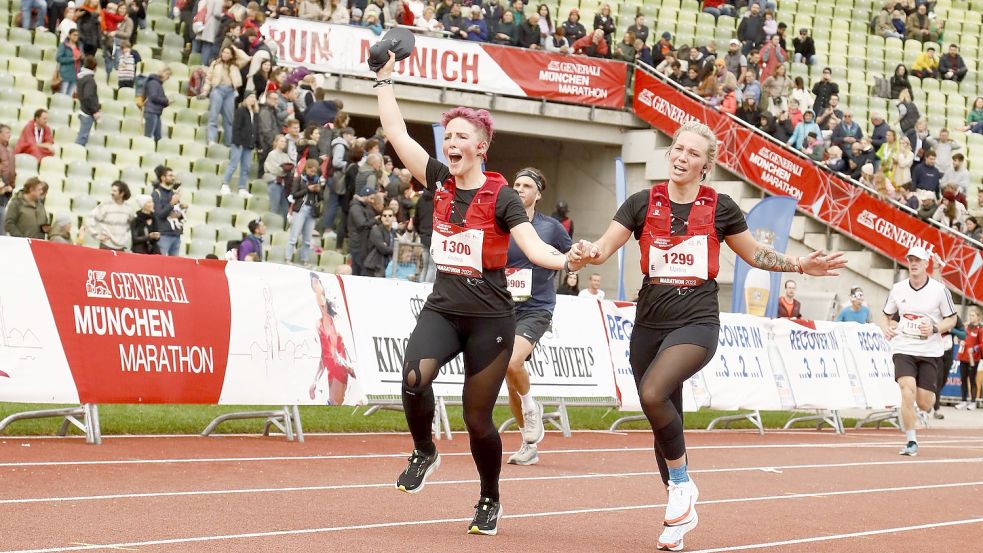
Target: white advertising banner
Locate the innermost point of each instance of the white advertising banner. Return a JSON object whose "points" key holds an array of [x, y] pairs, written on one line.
{"points": [[740, 375], [814, 365], [872, 368]]}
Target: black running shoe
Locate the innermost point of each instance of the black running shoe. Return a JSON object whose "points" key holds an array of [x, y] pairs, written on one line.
{"points": [[419, 468], [486, 515]]}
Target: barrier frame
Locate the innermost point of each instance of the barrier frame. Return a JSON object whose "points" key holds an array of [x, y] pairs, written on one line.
{"points": [[85, 417], [287, 420], [830, 417]]}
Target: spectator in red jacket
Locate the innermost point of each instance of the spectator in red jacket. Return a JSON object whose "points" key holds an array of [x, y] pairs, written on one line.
{"points": [[788, 306], [592, 45], [36, 138]]}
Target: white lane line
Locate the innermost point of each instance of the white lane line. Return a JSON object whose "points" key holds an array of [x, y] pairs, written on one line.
{"points": [[303, 531], [859, 445], [776, 469], [843, 536]]}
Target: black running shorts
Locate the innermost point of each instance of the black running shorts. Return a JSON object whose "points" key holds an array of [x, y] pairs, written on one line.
{"points": [[532, 324], [925, 370]]}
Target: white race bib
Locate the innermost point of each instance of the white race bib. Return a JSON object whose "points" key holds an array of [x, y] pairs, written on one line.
{"points": [[457, 250], [909, 323], [520, 283], [680, 261]]}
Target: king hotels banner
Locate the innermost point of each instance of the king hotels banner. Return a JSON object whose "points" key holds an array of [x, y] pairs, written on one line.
{"points": [[448, 63]]}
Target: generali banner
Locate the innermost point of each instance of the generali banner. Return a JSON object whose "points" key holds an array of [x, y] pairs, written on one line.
{"points": [[780, 171], [449, 63]]}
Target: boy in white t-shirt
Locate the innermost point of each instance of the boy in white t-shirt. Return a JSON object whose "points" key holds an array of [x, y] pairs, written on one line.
{"points": [[925, 311], [593, 289]]}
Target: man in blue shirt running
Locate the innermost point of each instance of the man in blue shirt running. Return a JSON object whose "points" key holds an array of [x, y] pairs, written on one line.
{"points": [[856, 312], [534, 293]]}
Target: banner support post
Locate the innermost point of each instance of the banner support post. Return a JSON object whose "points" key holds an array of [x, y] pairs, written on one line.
{"points": [[88, 413], [283, 418], [753, 417], [832, 418]]}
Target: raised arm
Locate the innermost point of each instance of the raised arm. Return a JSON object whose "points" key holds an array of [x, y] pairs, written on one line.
{"points": [[766, 258], [409, 151]]}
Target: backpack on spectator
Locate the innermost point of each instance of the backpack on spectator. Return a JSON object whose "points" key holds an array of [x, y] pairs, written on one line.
{"points": [[196, 83], [140, 91], [335, 177]]}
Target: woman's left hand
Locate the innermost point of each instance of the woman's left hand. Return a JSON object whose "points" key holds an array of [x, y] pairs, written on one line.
{"points": [[819, 264]]}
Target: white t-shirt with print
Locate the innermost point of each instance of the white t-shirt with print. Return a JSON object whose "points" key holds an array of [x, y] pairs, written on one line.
{"points": [[585, 293], [932, 301]]}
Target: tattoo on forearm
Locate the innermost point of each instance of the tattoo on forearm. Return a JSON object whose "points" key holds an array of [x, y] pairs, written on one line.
{"points": [[766, 258], [554, 251]]}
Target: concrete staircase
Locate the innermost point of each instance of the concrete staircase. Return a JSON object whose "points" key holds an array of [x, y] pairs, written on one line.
{"points": [[644, 153]]}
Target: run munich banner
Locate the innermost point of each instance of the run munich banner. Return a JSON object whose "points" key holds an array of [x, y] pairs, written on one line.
{"points": [[449, 63], [780, 171]]}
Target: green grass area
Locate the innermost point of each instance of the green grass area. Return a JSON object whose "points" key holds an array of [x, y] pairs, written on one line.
{"points": [[191, 419]]}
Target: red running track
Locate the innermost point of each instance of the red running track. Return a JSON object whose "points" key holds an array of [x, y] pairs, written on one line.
{"points": [[801, 491]]}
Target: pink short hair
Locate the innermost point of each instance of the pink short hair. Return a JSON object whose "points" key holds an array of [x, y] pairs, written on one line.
{"points": [[480, 118]]}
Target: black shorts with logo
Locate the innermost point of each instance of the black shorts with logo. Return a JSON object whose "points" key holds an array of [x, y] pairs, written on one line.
{"points": [[925, 370], [532, 324]]}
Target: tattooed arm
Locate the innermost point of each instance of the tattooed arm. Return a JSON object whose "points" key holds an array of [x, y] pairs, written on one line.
{"points": [[536, 250], [766, 258]]}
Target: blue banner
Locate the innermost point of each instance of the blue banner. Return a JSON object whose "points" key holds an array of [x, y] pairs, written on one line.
{"points": [[755, 291], [620, 195]]}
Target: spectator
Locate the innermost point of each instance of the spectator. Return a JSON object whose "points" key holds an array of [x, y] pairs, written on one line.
{"points": [[903, 161], [735, 61], [144, 235], [26, 217], [823, 90], [506, 31], [643, 53], [856, 311], [224, 78], [803, 129], [951, 213], [927, 205], [951, 66], [311, 11], [278, 170], [908, 197], [153, 105], [639, 29], [350, 175], [253, 242], [89, 106], [917, 136], [813, 147], [788, 306], [830, 117], [562, 215], [573, 29], [692, 79], [861, 154], [926, 176], [454, 23], [716, 8], [749, 112], [708, 88], [625, 50], [477, 28], [592, 45], [244, 141], [971, 228], [804, 48], [379, 248], [751, 31], [926, 66], [908, 114], [957, 176], [90, 27], [36, 138], [126, 67], [795, 115], [361, 218], [546, 26], [847, 132], [529, 33], [605, 22], [340, 148], [776, 89], [8, 173], [943, 147], [880, 128], [569, 287], [558, 44], [518, 11], [883, 26], [422, 223], [800, 93], [267, 126], [899, 81], [211, 32], [887, 153], [780, 128], [69, 58], [371, 21], [751, 88], [294, 141], [61, 230], [118, 26], [920, 26], [728, 103], [974, 120], [662, 50], [493, 13], [322, 111], [29, 8], [306, 204], [65, 24], [593, 289], [169, 211], [109, 222], [770, 26]]}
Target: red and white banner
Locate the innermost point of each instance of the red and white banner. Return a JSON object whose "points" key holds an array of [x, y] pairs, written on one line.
{"points": [[449, 63], [832, 199]]}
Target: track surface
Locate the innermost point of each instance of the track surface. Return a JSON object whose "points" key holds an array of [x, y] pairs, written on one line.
{"points": [[801, 491]]}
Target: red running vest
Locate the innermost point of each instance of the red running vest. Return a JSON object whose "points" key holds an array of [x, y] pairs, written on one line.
{"points": [[480, 216], [658, 225]]}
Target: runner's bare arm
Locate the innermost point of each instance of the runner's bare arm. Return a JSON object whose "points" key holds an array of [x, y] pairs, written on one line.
{"points": [[887, 325], [536, 250], [598, 252], [409, 151], [766, 258]]}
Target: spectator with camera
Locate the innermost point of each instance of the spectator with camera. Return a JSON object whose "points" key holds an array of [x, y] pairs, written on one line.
{"points": [[169, 210]]}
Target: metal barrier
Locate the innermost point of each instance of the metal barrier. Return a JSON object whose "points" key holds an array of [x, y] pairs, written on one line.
{"points": [[85, 417], [287, 420]]}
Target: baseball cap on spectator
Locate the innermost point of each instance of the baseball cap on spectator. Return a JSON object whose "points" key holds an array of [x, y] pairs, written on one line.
{"points": [[918, 252], [924, 195], [366, 191], [735, 42], [667, 36], [356, 12]]}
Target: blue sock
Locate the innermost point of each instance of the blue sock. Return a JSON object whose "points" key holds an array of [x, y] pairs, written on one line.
{"points": [[678, 475]]}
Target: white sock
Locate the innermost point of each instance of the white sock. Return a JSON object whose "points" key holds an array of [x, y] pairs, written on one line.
{"points": [[910, 435], [528, 403]]}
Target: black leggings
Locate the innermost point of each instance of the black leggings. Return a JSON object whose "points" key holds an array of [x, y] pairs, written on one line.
{"points": [[487, 346], [661, 361], [967, 378]]}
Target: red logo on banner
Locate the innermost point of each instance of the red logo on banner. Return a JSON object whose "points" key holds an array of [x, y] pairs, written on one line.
{"points": [[138, 329]]}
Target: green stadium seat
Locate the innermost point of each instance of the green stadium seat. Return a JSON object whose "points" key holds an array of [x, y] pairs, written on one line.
{"points": [[227, 233], [259, 202], [204, 231], [25, 162], [274, 222], [219, 216], [232, 201]]}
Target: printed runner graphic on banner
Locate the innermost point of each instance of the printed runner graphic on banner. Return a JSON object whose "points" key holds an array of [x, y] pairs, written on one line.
{"points": [[830, 198], [872, 369], [448, 63], [814, 365], [740, 375]]}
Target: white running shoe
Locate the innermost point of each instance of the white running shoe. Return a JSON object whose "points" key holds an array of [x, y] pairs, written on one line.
{"points": [[962, 405], [533, 430], [971, 406], [681, 515], [528, 454], [225, 190], [243, 193]]}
